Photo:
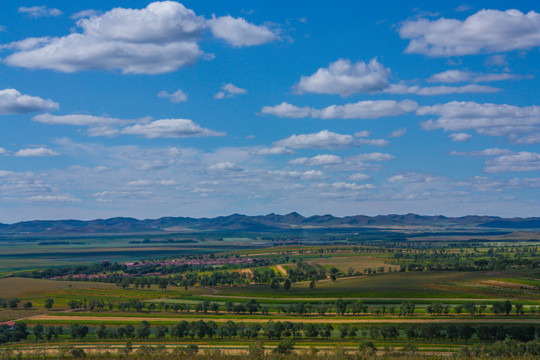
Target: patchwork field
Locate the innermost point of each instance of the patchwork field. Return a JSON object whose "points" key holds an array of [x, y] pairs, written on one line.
{"points": [[218, 283]]}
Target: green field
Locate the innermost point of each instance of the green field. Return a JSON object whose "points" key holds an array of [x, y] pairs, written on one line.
{"points": [[367, 274], [393, 285]]}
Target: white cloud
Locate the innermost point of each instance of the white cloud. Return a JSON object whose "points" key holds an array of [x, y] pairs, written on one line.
{"points": [[107, 126], [139, 182], [159, 38], [21, 184], [40, 11], [373, 142], [343, 78], [84, 14], [375, 156], [225, 166], [3, 151], [229, 91], [460, 137], [77, 119], [287, 110], [531, 138], [275, 150], [463, 7], [39, 151], [457, 76], [497, 60], [486, 31], [439, 90], [486, 119], [359, 177], [53, 198], [98, 125], [238, 32], [306, 175], [13, 102], [351, 186], [486, 152], [413, 177], [319, 160], [170, 128], [521, 161], [324, 140], [398, 132], [328, 140], [312, 174], [487, 184], [176, 97], [369, 109]]}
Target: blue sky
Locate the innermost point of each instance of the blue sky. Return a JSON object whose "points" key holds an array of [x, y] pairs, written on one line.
{"points": [[132, 108]]}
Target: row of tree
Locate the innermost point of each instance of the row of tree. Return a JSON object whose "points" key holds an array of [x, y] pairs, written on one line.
{"points": [[275, 330]]}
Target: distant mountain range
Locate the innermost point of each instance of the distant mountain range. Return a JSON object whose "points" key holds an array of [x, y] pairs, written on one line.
{"points": [[263, 223]]}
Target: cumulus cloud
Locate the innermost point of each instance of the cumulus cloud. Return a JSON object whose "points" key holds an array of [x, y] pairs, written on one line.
{"points": [[486, 119], [359, 177], [306, 175], [3, 151], [39, 11], [318, 160], [369, 109], [225, 166], [77, 119], [398, 132], [98, 125], [53, 198], [375, 156], [413, 177], [521, 161], [176, 97], [238, 32], [108, 126], [351, 186], [344, 78], [324, 139], [13, 102], [457, 76], [84, 13], [373, 142], [460, 137], [486, 152], [532, 138], [439, 90], [229, 91], [328, 140], [486, 31], [170, 128], [287, 110], [275, 150], [39, 151], [159, 38]]}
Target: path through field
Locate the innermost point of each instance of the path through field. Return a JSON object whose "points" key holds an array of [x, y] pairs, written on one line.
{"points": [[281, 269]]}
